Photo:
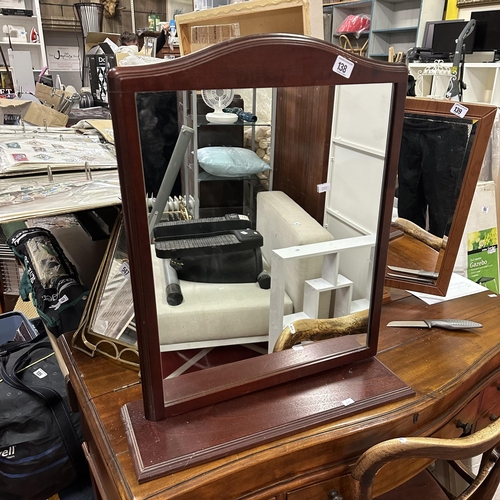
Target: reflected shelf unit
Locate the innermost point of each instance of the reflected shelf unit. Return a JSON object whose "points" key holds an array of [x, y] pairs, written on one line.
{"points": [[193, 174]]}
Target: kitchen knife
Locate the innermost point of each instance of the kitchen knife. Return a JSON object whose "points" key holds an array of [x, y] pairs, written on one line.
{"points": [[416, 272], [449, 324]]}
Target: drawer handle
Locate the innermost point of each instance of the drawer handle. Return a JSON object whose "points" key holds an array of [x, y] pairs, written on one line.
{"points": [[334, 495], [467, 428], [493, 417]]}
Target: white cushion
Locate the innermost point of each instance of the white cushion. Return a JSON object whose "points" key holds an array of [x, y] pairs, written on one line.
{"points": [[283, 223]]}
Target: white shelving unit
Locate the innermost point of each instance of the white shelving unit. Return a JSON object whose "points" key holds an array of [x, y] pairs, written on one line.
{"points": [[394, 23], [194, 174], [36, 50], [482, 81]]}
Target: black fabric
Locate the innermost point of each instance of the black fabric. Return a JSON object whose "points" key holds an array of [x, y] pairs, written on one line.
{"points": [[220, 267], [158, 129], [50, 280], [40, 443], [431, 167], [161, 40], [410, 90]]}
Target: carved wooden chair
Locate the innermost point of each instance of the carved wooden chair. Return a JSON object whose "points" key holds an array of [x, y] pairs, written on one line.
{"points": [[481, 486]]}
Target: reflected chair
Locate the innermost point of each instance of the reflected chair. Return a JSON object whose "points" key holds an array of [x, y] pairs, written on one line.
{"points": [[424, 486]]}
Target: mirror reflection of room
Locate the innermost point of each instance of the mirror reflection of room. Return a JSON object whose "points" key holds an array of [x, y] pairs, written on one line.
{"points": [[230, 290]]}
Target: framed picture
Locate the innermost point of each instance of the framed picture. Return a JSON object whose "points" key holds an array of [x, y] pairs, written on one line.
{"points": [[175, 7]]}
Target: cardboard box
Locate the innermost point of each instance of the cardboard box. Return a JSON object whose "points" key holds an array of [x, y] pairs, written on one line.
{"points": [[94, 38], [50, 96], [477, 258], [40, 115], [12, 111]]}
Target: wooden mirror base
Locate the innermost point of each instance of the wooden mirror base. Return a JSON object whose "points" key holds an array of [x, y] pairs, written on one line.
{"points": [[213, 432]]}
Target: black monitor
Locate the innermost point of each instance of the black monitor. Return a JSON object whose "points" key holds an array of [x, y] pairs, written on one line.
{"points": [[487, 30], [441, 36]]}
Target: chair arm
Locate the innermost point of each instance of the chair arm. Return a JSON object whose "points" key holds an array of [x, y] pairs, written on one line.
{"points": [[321, 329], [380, 454]]}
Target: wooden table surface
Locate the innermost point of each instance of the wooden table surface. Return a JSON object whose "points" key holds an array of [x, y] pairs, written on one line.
{"points": [[445, 368]]}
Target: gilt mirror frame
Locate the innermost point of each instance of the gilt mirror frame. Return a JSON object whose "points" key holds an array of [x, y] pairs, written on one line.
{"points": [[271, 60], [108, 314], [444, 259]]}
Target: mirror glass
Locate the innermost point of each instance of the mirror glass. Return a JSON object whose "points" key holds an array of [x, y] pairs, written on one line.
{"points": [[440, 160], [229, 307], [222, 302], [108, 323]]}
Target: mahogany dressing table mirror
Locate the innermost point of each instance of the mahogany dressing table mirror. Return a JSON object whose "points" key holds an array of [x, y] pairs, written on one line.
{"points": [[207, 414], [442, 151]]}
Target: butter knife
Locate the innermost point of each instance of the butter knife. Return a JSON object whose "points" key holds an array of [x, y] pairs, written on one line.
{"points": [[416, 272], [448, 324]]}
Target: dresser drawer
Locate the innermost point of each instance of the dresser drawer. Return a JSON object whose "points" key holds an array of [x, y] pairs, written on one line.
{"points": [[490, 395], [463, 422], [320, 491]]}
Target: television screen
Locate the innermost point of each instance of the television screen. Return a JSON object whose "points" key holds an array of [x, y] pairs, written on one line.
{"points": [[487, 30], [445, 34]]}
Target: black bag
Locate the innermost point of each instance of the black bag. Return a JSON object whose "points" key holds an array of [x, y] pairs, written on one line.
{"points": [[50, 278], [40, 445]]}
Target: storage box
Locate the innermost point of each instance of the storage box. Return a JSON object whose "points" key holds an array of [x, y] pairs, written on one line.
{"points": [[257, 16], [43, 116], [94, 38], [12, 111]]}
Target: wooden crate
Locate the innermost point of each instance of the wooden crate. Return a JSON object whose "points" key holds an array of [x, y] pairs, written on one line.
{"points": [[256, 16]]}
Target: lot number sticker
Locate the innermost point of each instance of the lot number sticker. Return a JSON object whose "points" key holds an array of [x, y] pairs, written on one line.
{"points": [[459, 110], [343, 67]]}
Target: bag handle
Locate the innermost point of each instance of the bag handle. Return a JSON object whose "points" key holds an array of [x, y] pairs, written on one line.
{"points": [[52, 399]]}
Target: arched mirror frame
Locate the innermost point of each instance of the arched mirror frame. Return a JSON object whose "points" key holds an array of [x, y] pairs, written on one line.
{"points": [[273, 60], [443, 260]]}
